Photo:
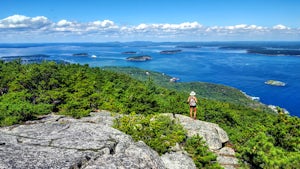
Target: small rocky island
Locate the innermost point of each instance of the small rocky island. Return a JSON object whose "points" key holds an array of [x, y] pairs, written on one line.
{"points": [[275, 83], [141, 58], [170, 51]]}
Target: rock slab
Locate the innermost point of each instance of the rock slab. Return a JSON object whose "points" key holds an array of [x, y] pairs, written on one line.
{"points": [[60, 143], [214, 136]]}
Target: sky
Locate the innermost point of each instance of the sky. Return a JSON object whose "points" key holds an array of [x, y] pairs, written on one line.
{"points": [[31, 21]]}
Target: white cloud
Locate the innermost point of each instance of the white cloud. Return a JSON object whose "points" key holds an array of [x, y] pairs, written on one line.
{"points": [[64, 23], [167, 26], [20, 21], [280, 27], [242, 27], [41, 27], [142, 26], [105, 23]]}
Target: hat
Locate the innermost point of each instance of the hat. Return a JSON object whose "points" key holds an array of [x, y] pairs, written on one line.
{"points": [[192, 93]]}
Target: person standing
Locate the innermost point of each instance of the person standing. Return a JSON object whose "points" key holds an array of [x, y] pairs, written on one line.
{"points": [[192, 101]]}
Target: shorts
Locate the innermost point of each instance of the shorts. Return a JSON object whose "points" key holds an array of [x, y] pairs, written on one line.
{"points": [[193, 106]]}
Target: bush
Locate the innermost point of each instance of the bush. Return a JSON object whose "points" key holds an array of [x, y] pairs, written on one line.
{"points": [[157, 131], [200, 153]]}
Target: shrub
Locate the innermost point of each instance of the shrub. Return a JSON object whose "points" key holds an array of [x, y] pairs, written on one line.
{"points": [[200, 153], [157, 131]]}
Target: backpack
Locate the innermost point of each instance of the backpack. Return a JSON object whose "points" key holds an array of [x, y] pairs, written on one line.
{"points": [[192, 101]]}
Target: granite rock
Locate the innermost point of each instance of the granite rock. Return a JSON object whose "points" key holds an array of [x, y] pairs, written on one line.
{"points": [[62, 142]]}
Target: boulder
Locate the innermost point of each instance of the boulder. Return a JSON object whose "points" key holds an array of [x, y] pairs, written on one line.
{"points": [[216, 139], [214, 136], [178, 160], [226, 158]]}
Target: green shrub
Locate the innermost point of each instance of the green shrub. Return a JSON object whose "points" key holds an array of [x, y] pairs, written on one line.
{"points": [[157, 131], [200, 153]]}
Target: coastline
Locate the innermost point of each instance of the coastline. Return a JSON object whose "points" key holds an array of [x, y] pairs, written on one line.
{"points": [[196, 57]]}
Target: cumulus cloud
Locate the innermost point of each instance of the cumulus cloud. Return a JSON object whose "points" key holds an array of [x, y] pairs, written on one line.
{"points": [[64, 23], [104, 24], [280, 27], [41, 27], [20, 21], [167, 26]]}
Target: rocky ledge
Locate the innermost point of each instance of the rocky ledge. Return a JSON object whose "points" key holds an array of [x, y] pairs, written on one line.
{"points": [[89, 143], [59, 142], [215, 137]]}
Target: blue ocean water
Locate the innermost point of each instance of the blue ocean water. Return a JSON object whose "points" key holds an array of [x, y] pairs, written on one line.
{"points": [[226, 63]]}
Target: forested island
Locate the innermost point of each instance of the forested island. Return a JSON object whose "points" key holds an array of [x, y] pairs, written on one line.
{"points": [[261, 137], [188, 46], [274, 52], [141, 58], [264, 50], [170, 51], [129, 52], [80, 54]]}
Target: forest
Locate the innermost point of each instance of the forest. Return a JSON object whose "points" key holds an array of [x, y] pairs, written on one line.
{"points": [[260, 137]]}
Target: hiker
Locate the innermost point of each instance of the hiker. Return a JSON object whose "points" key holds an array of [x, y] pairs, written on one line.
{"points": [[192, 101]]}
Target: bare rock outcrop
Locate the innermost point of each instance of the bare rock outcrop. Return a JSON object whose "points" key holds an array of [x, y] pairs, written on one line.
{"points": [[178, 160], [59, 142], [214, 136]]}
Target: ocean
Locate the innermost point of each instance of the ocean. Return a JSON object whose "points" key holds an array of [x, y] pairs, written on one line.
{"points": [[242, 65]]}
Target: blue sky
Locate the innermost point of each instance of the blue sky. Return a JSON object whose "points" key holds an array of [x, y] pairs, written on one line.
{"points": [[153, 20]]}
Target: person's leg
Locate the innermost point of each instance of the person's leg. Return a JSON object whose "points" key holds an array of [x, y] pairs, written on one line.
{"points": [[195, 112], [191, 112]]}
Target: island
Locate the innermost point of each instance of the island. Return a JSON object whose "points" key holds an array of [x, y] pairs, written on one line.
{"points": [[275, 52], [129, 52], [141, 58], [275, 83], [170, 51], [188, 46], [80, 54]]}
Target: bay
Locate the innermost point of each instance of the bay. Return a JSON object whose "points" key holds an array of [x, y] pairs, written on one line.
{"points": [[227, 63]]}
